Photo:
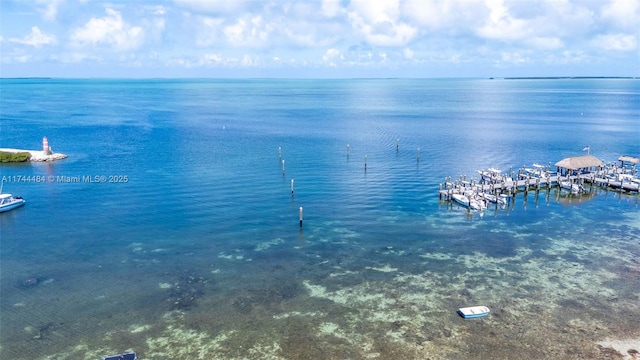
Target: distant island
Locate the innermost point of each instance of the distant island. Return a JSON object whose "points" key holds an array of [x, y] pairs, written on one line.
{"points": [[565, 77]]}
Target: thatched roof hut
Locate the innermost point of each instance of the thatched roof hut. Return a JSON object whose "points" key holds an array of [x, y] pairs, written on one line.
{"points": [[580, 162]]}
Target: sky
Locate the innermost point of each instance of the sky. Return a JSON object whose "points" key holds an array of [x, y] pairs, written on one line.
{"points": [[319, 38]]}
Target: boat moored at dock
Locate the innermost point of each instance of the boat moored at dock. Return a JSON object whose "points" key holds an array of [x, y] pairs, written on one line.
{"points": [[501, 199], [571, 187], [491, 174], [495, 187], [469, 201], [625, 182]]}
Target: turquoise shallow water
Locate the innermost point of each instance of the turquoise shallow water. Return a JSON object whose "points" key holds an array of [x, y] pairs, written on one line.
{"points": [[199, 254]]}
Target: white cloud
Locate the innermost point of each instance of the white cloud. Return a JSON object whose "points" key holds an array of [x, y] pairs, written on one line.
{"points": [[250, 31], [562, 18], [180, 62], [408, 53], [616, 42], [159, 10], [545, 25], [215, 59], [208, 32], [623, 14], [500, 25], [49, 10], [212, 23], [376, 11], [22, 58], [214, 6], [36, 38], [331, 8], [209, 60], [365, 34], [332, 56], [111, 30], [514, 58], [76, 57], [362, 56], [248, 61], [451, 16], [566, 57], [546, 43], [379, 23]]}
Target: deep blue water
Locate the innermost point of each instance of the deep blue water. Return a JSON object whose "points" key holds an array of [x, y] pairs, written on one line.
{"points": [[202, 243]]}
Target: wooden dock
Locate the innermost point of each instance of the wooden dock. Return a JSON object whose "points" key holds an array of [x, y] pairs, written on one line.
{"points": [[525, 183]]}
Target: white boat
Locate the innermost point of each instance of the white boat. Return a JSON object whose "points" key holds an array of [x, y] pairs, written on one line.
{"points": [[9, 202], [501, 200], [629, 182], [473, 312], [468, 202], [537, 171], [490, 175], [489, 197], [127, 356], [571, 187]]}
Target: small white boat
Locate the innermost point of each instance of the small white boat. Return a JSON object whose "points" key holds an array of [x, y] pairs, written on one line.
{"points": [[126, 356], [489, 197], [501, 200], [473, 312], [9, 202], [538, 171], [629, 182], [468, 202], [490, 175], [571, 187]]}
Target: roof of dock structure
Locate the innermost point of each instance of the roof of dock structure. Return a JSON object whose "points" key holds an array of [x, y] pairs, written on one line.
{"points": [[629, 159], [580, 162]]}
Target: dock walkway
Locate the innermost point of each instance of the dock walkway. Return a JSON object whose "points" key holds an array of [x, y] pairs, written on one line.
{"points": [[524, 183]]}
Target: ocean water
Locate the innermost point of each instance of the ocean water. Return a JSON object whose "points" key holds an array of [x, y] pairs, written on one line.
{"points": [[172, 230]]}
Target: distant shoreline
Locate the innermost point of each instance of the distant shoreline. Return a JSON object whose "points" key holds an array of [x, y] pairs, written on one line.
{"points": [[566, 77], [328, 78]]}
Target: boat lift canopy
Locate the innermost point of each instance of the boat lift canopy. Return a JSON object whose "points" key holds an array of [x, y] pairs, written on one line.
{"points": [[629, 159]]}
